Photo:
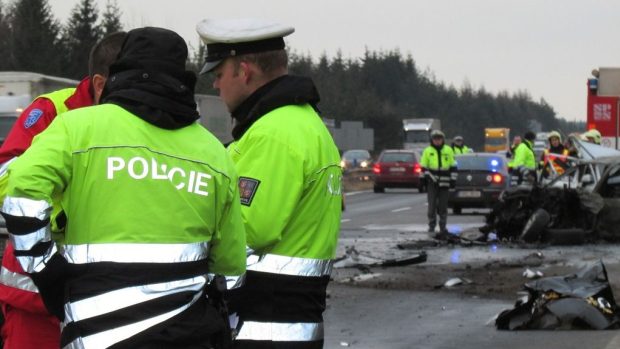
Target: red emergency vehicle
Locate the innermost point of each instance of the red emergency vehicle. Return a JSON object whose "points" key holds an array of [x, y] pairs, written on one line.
{"points": [[603, 105]]}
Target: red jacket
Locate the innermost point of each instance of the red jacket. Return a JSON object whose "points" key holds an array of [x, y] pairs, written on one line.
{"points": [[16, 287]]}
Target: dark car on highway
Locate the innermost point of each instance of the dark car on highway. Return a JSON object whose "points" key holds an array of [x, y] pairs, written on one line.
{"points": [[397, 168], [481, 179]]}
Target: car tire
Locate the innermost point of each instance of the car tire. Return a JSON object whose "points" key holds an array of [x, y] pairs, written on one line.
{"points": [[535, 225], [457, 210], [378, 189]]}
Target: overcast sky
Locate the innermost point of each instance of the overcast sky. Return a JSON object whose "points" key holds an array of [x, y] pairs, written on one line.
{"points": [[547, 47]]}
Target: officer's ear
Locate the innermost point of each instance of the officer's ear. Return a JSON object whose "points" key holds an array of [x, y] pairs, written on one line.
{"points": [[98, 82]]}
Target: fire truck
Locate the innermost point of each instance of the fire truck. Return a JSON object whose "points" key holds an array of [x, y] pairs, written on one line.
{"points": [[604, 105]]}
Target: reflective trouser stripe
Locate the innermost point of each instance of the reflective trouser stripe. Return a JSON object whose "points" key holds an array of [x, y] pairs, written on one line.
{"points": [[126, 297], [281, 332], [284, 265], [17, 280], [108, 338], [136, 253]]}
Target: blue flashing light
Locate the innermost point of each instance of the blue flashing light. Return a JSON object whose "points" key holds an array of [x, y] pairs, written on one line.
{"points": [[455, 258]]}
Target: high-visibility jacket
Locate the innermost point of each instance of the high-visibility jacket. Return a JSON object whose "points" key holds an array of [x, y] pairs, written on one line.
{"points": [[290, 182], [524, 156], [150, 212], [555, 160], [18, 293], [460, 150], [439, 166]]}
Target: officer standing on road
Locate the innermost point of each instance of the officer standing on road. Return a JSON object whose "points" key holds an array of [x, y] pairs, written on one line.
{"points": [[23, 307], [152, 205], [523, 165], [458, 147], [290, 183], [439, 170]]}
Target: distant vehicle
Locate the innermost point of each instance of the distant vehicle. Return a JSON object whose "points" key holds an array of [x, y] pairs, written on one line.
{"points": [[397, 168], [355, 159], [481, 179], [496, 140], [539, 148], [10, 108], [417, 132]]}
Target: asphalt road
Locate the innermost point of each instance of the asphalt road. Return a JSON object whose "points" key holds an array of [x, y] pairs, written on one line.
{"points": [[371, 317]]}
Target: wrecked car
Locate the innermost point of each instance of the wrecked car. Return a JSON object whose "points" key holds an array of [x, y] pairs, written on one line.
{"points": [[578, 206]]}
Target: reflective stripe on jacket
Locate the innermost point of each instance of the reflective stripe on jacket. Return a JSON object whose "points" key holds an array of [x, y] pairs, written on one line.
{"points": [[440, 165], [151, 211]]}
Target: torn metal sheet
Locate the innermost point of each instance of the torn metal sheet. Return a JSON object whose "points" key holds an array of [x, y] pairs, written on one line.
{"points": [[583, 300], [354, 259]]}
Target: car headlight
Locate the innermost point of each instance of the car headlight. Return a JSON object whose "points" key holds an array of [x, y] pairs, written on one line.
{"points": [[364, 163]]}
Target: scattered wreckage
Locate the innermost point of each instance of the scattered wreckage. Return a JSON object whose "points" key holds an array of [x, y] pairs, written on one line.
{"points": [[578, 206], [578, 301]]}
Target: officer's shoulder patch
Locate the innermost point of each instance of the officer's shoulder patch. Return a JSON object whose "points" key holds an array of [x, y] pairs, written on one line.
{"points": [[247, 189], [33, 117]]}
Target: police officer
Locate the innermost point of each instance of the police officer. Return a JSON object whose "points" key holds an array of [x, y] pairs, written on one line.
{"points": [[152, 202], [523, 165], [290, 183], [554, 158], [458, 146], [23, 308], [439, 170]]}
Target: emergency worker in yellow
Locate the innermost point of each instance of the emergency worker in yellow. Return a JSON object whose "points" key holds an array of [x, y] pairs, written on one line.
{"points": [[152, 207], [289, 179], [459, 147], [554, 159], [523, 165], [439, 168]]}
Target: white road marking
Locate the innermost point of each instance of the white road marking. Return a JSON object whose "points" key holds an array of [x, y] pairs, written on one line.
{"points": [[356, 192], [402, 209], [345, 220]]}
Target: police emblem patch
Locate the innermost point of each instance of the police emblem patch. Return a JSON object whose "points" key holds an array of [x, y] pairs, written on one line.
{"points": [[247, 189], [33, 117]]}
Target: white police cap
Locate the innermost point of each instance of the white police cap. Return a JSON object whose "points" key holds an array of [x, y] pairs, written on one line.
{"points": [[231, 37]]}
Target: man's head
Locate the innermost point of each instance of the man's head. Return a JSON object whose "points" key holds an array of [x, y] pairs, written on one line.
{"points": [[102, 55], [243, 55], [530, 136], [437, 137], [516, 140], [458, 140]]}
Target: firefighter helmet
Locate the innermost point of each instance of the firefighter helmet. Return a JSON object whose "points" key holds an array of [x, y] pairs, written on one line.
{"points": [[554, 134], [594, 135]]}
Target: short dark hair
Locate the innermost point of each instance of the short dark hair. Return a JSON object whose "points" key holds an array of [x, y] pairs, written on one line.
{"points": [[267, 62], [529, 135], [104, 53]]}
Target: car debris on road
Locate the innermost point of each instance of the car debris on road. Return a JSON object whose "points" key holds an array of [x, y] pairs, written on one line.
{"points": [[583, 300]]}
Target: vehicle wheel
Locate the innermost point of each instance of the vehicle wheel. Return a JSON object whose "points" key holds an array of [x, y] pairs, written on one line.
{"points": [[378, 189], [535, 225], [457, 210]]}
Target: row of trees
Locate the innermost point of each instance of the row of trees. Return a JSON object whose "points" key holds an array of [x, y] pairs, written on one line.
{"points": [[380, 89], [32, 39], [383, 88]]}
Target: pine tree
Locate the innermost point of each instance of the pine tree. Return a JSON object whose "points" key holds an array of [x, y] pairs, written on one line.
{"points": [[5, 35], [111, 21], [79, 36], [34, 39]]}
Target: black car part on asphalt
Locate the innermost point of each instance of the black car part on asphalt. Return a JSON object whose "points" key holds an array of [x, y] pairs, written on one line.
{"points": [[583, 300]]}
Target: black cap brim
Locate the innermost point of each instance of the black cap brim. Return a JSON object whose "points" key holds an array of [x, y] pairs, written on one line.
{"points": [[209, 66]]}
